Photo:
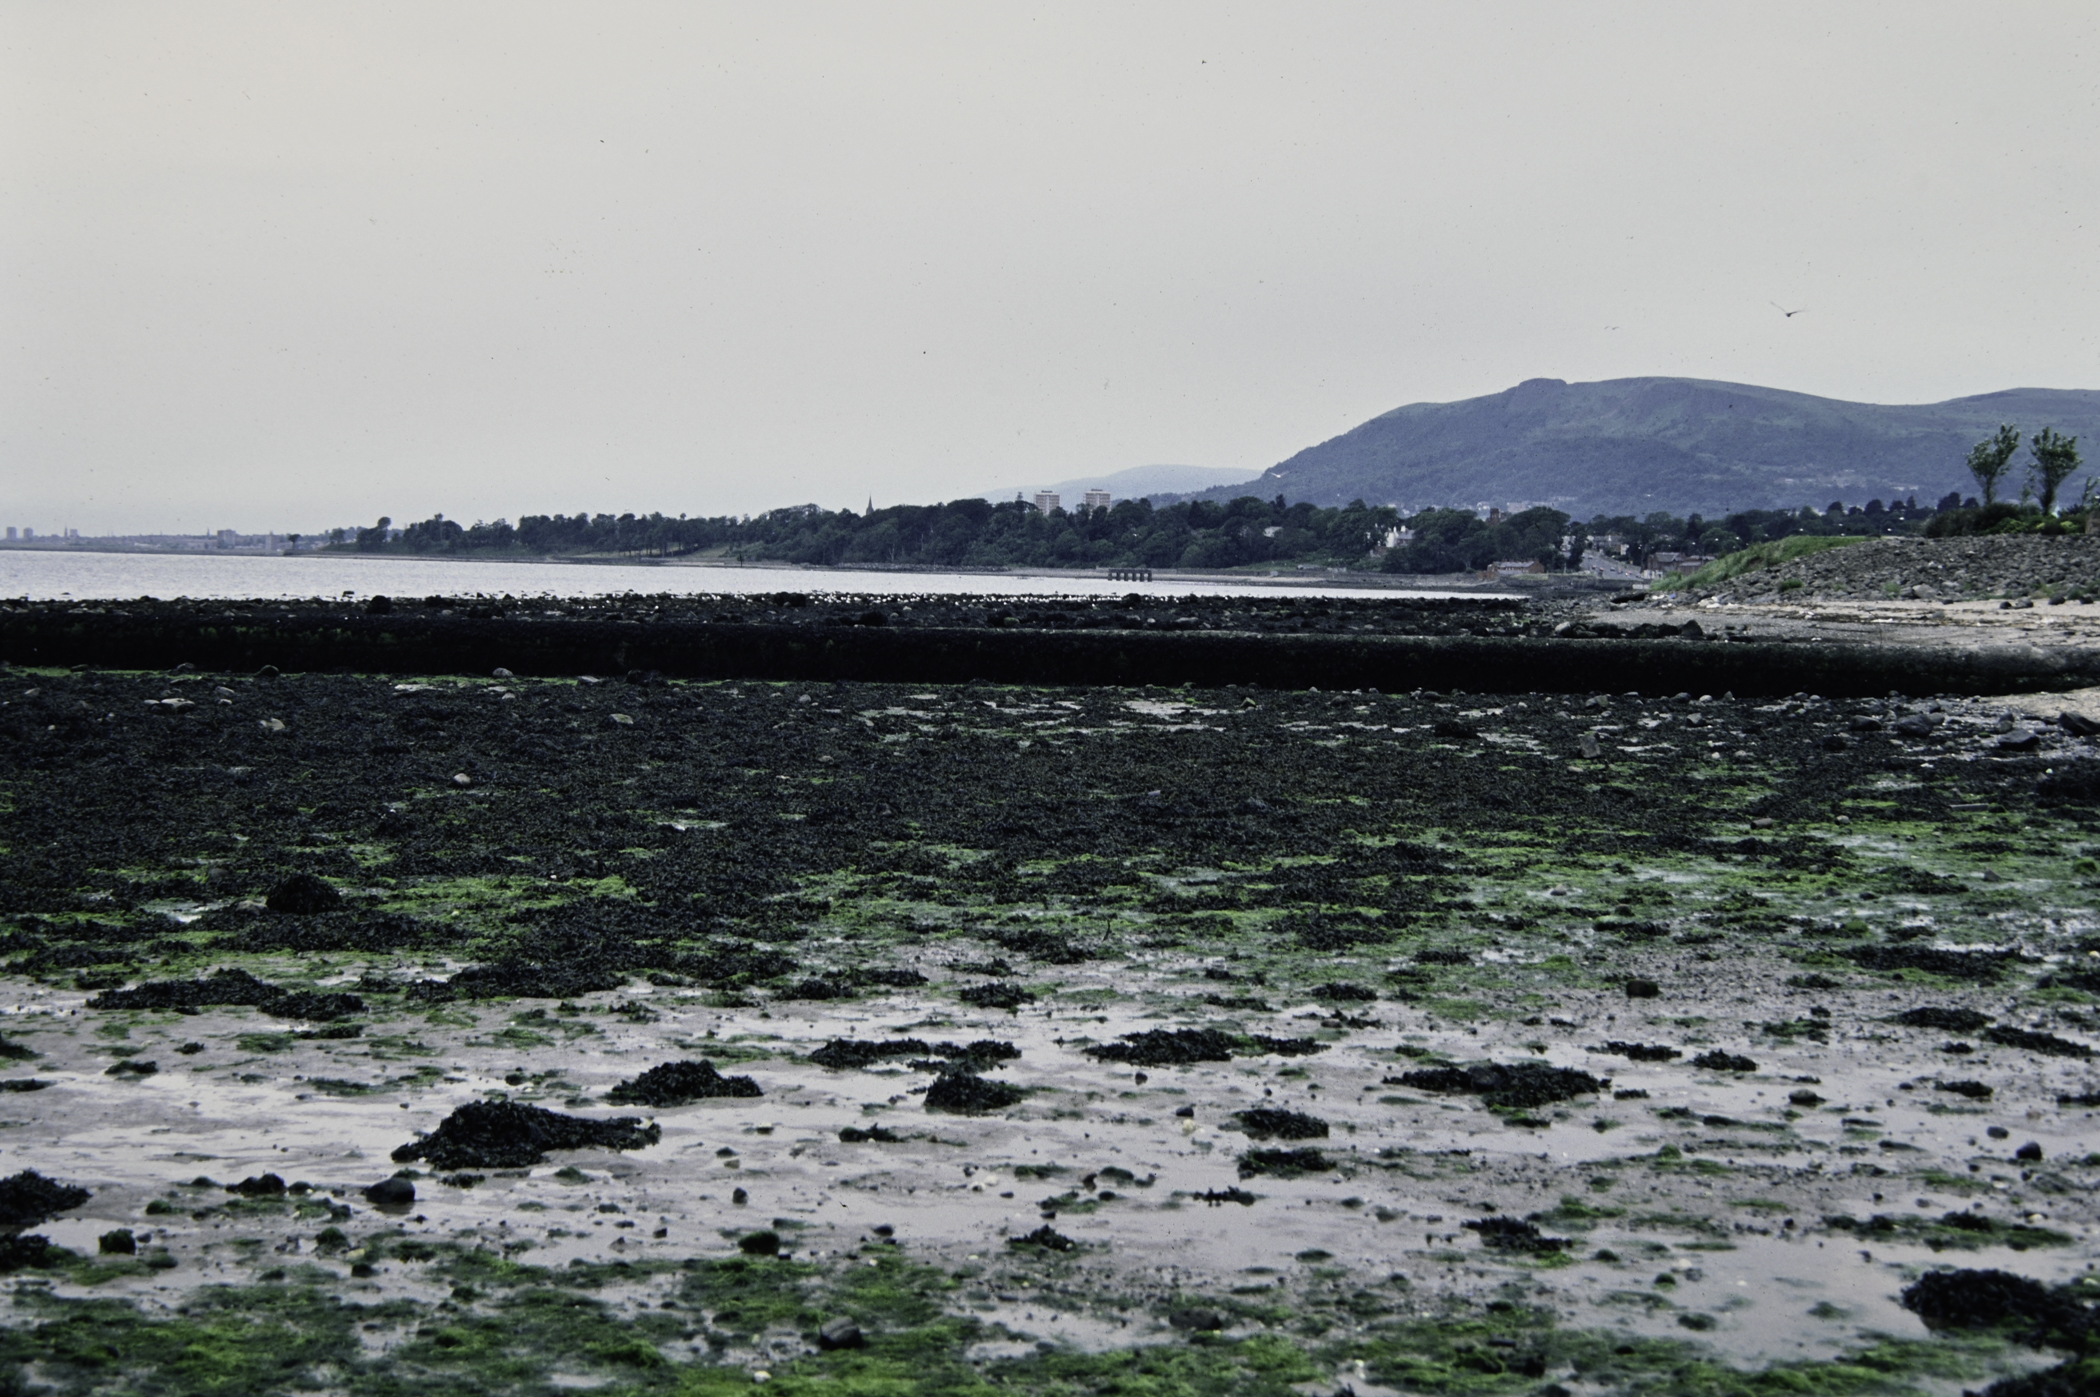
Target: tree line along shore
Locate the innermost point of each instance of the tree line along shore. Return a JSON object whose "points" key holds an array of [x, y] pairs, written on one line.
{"points": [[1254, 533]]}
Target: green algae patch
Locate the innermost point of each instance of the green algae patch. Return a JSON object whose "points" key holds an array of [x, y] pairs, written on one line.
{"points": [[233, 1341]]}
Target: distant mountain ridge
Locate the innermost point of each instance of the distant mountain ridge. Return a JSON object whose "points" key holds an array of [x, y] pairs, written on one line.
{"points": [[1135, 481], [1635, 445]]}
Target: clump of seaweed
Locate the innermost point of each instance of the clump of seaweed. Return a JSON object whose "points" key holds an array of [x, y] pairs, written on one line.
{"points": [[675, 1083], [1518, 1086], [509, 1135]]}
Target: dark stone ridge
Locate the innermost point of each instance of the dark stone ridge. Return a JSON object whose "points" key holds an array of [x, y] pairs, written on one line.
{"points": [[675, 1083], [1045, 1238], [1718, 1061], [507, 1135]]}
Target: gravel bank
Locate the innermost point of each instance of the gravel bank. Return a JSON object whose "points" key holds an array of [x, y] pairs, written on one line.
{"points": [[1954, 568]]}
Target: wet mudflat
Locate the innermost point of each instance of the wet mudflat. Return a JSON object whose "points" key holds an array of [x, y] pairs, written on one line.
{"points": [[1054, 1039]]}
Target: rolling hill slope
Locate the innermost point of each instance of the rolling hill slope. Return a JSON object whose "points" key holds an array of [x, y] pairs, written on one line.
{"points": [[1633, 445]]}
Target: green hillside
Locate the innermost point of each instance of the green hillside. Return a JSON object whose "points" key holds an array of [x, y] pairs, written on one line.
{"points": [[1634, 445]]}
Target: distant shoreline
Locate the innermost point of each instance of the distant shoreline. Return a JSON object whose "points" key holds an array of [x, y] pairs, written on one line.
{"points": [[1295, 577]]}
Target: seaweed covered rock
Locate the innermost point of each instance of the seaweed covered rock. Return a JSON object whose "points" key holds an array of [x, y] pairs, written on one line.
{"points": [[1044, 1238], [1286, 1047], [1160, 1047], [2027, 1040], [982, 1054], [509, 1135], [849, 1054], [996, 995], [1640, 1052], [1343, 992], [222, 987], [1947, 1020], [373, 933], [315, 1006], [1519, 1086], [29, 1198], [1284, 1164], [1990, 1299], [900, 979], [34, 1250], [872, 1135], [675, 1083], [1504, 1233], [303, 894], [966, 1093], [1981, 966], [1718, 1061], [1271, 1122]]}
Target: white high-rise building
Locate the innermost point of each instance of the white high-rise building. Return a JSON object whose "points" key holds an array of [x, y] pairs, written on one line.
{"points": [[1047, 500]]}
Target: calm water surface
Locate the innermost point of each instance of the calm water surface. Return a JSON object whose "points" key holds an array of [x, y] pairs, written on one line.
{"points": [[122, 576]]}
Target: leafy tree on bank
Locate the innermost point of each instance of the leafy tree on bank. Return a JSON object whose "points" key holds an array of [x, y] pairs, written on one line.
{"points": [[1991, 458], [2055, 461]]}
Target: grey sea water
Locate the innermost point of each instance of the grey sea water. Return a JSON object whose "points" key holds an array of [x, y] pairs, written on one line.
{"points": [[83, 575]]}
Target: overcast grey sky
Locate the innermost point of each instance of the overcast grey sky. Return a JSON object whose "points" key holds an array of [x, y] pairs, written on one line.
{"points": [[280, 266]]}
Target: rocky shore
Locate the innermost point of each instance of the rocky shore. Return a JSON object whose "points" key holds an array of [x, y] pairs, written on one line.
{"points": [[2010, 567], [374, 1033]]}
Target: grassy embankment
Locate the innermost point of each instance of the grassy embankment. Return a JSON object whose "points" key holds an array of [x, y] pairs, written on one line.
{"points": [[1757, 555]]}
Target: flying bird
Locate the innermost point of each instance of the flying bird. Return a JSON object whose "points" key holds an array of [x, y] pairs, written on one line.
{"points": [[1789, 314]]}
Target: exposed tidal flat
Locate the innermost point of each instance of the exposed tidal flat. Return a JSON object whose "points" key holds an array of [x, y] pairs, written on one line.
{"points": [[82, 574], [1073, 1038]]}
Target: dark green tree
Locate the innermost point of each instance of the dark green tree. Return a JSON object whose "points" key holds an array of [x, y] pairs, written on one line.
{"points": [[1989, 460], [2055, 461]]}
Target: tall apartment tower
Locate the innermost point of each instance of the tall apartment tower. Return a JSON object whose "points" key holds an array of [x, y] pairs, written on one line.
{"points": [[1098, 499]]}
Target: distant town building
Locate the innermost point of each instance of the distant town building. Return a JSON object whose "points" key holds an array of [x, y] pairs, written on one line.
{"points": [[1098, 499], [1047, 500], [10, 533], [1511, 569]]}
